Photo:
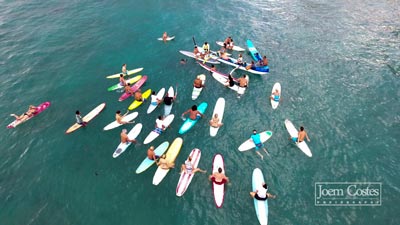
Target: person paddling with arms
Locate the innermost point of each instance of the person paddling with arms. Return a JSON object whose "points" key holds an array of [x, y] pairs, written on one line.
{"points": [[194, 114]]}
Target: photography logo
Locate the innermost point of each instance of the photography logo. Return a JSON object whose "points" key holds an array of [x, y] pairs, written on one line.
{"points": [[348, 193]]}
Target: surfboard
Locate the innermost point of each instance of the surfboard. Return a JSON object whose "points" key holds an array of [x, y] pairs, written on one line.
{"points": [[189, 123], [235, 47], [167, 108], [119, 86], [261, 207], [218, 189], [92, 114], [186, 178], [127, 118], [129, 72], [40, 108], [274, 104], [160, 95], [137, 103], [191, 55], [156, 132], [168, 38], [196, 91], [170, 156], [146, 163], [133, 133], [219, 109], [134, 88], [249, 144], [253, 51], [293, 132]]}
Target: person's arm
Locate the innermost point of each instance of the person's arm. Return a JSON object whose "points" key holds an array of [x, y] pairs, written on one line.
{"points": [[308, 139], [127, 111], [185, 112]]}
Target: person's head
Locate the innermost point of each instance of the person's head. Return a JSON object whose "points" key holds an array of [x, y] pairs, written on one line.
{"points": [[163, 156], [190, 158], [240, 55], [77, 112], [212, 66], [153, 92], [302, 128], [224, 45], [139, 90], [151, 148], [254, 131], [206, 43], [216, 115], [124, 65], [252, 62], [124, 131], [121, 75], [160, 117], [195, 47], [194, 107], [229, 37], [244, 75], [265, 185], [264, 57], [118, 112], [219, 170]]}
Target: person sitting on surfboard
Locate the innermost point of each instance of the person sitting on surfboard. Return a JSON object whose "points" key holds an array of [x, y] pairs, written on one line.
{"points": [[240, 60], [31, 111], [229, 43], [187, 167], [154, 99], [138, 95], [214, 122], [160, 124], [206, 47], [264, 61], [197, 53], [275, 95], [262, 194], [164, 164], [230, 82], [125, 139], [128, 89], [79, 119], [219, 177], [198, 83], [119, 117], [124, 71], [165, 36], [168, 99], [194, 114], [122, 81], [151, 155], [301, 135], [251, 66], [257, 141]]}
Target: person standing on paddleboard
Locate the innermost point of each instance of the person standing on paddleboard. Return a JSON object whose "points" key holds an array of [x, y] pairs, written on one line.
{"points": [[301, 135], [262, 194], [257, 141], [194, 114], [79, 119]]}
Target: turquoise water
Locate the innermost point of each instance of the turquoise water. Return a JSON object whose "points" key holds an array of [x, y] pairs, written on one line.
{"points": [[337, 62]]}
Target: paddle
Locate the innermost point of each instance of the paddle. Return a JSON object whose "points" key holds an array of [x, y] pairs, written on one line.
{"points": [[194, 41]]}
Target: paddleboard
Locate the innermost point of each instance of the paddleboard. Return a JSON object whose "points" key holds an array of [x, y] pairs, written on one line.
{"points": [[40, 108], [294, 133], [129, 72], [134, 88], [274, 104], [156, 132], [235, 47], [186, 178], [168, 38], [137, 103], [127, 118], [196, 91], [191, 54], [170, 156], [233, 62], [119, 86], [253, 51], [92, 114], [218, 189], [189, 123], [133, 133], [167, 108], [219, 109], [146, 163], [261, 207], [160, 95], [249, 144]]}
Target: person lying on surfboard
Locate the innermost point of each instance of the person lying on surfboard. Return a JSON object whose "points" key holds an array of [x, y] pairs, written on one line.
{"points": [[164, 164], [214, 122], [219, 177], [262, 194], [194, 114], [31, 111], [198, 83], [125, 139], [301, 135], [119, 117], [187, 167], [256, 139]]}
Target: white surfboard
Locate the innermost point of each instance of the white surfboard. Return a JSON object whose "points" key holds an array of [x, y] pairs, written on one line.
{"points": [[249, 144], [261, 207], [160, 95], [294, 133], [274, 104], [168, 38], [133, 133], [186, 178], [196, 91], [127, 118], [219, 109], [218, 189], [156, 132], [167, 108]]}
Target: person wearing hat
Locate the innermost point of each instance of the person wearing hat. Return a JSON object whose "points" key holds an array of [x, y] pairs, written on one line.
{"points": [[125, 139], [262, 194], [255, 137]]}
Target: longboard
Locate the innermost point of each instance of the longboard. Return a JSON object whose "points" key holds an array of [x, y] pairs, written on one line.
{"points": [[159, 95], [249, 144], [146, 163], [218, 189], [168, 38], [40, 108], [293, 132], [127, 118], [133, 133], [129, 72], [196, 91], [92, 114], [186, 178], [274, 103], [156, 132], [219, 109], [261, 207]]}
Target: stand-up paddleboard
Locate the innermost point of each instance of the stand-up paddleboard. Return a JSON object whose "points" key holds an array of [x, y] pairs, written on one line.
{"points": [[137, 103], [253, 51], [146, 163], [249, 144], [92, 114], [167, 108], [170, 156], [40, 108], [168, 38], [127, 118], [294, 134], [218, 189], [260, 70], [186, 177], [219, 109], [133, 133], [196, 91], [153, 106], [275, 101], [133, 88], [157, 131], [189, 123], [241, 90], [130, 81], [191, 54], [235, 47], [261, 207], [129, 72]]}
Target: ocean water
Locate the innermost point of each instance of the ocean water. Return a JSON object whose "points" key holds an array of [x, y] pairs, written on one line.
{"points": [[337, 62]]}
